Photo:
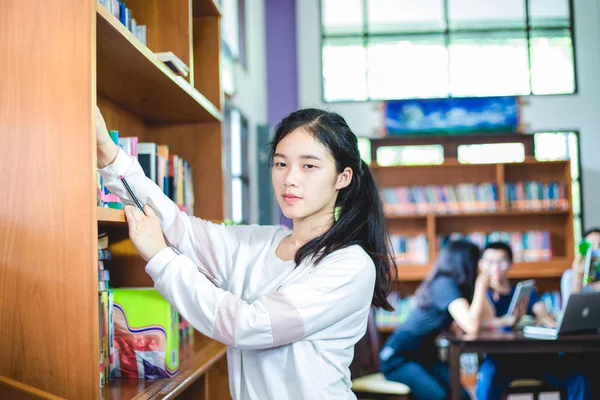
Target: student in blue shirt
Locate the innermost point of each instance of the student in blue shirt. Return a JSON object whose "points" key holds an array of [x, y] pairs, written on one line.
{"points": [[450, 293], [496, 373]]}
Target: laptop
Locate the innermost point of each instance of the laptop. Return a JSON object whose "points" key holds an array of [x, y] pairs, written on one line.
{"points": [[581, 314]]}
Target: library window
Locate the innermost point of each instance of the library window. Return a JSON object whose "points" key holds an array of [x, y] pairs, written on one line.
{"points": [[402, 49], [237, 187]]}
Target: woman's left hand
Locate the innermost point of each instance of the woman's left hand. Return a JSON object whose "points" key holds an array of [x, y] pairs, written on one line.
{"points": [[145, 231]]}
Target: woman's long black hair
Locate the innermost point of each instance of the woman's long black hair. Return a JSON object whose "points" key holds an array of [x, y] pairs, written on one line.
{"points": [[457, 261], [361, 219]]}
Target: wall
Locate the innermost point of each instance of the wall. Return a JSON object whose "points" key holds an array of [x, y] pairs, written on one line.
{"points": [[576, 112], [251, 94]]}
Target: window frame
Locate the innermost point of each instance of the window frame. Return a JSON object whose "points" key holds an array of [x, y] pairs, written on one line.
{"points": [[446, 32]]}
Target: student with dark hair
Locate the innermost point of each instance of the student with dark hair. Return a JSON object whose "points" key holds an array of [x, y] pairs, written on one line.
{"points": [[496, 373], [572, 279], [290, 306], [450, 293]]}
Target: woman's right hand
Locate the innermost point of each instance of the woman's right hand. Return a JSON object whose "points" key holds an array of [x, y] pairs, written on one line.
{"points": [[106, 148]]}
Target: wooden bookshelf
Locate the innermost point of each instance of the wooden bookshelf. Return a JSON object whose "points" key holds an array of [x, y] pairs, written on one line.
{"points": [[57, 69], [558, 222]]}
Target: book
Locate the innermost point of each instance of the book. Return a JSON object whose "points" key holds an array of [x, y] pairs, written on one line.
{"points": [[174, 63]]}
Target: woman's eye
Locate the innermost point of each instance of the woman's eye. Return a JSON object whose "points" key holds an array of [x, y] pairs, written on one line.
{"points": [[279, 164], [309, 166]]}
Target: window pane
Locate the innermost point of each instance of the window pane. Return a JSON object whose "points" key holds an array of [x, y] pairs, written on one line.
{"points": [[549, 13], [488, 65], [407, 67], [410, 155], [364, 147], [405, 16], [577, 228], [236, 143], [229, 26], [552, 70], [485, 14], [573, 141], [491, 153], [236, 200], [551, 146], [342, 16], [344, 70], [576, 197]]}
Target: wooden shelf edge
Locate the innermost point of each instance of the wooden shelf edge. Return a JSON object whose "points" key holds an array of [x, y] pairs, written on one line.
{"points": [[110, 215], [189, 371], [185, 86], [553, 268], [501, 213]]}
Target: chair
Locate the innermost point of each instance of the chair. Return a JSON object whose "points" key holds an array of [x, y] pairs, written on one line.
{"points": [[370, 382], [532, 386]]}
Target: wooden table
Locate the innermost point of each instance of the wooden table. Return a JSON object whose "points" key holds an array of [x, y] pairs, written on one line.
{"points": [[510, 343]]}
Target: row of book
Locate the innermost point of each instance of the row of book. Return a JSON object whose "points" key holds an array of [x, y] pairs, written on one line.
{"points": [[121, 12], [169, 171], [469, 197], [410, 249], [536, 196], [463, 197], [526, 246], [105, 315]]}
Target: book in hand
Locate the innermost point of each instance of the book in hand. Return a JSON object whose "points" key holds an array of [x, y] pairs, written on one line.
{"points": [[174, 63]]}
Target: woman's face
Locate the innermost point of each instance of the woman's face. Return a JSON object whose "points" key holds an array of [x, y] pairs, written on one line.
{"points": [[304, 176]]}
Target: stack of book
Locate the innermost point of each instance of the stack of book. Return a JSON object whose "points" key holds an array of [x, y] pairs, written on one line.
{"points": [[463, 197]]}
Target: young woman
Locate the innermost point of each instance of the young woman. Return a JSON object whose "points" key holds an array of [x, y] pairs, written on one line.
{"points": [[289, 306], [450, 293]]}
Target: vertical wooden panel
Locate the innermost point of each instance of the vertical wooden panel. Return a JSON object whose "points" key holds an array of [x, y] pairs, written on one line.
{"points": [[431, 237], [167, 25], [206, 49], [500, 181], [48, 244], [218, 386]]}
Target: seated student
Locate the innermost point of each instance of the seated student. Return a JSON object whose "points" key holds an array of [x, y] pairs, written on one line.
{"points": [[572, 279], [496, 373], [410, 355]]}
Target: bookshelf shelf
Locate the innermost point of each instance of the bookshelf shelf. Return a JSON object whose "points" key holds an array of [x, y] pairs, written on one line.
{"points": [[553, 268], [110, 215], [204, 354], [500, 213], [130, 75]]}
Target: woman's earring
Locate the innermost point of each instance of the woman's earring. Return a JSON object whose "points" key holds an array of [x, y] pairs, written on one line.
{"points": [[336, 213]]}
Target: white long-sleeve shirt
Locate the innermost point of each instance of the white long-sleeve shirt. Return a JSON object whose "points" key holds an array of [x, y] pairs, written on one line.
{"points": [[290, 330]]}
